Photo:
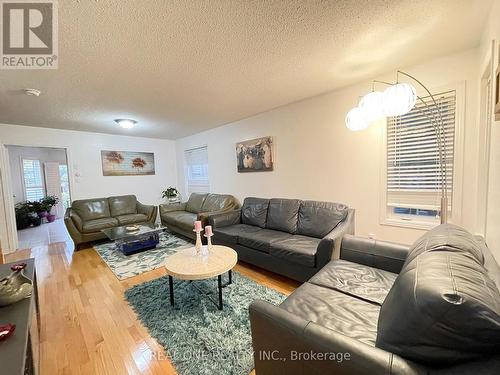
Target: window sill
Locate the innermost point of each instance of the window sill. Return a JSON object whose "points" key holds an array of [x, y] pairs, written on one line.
{"points": [[413, 224]]}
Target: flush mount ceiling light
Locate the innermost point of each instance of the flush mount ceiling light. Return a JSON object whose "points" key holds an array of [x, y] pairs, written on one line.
{"points": [[32, 92], [126, 123]]}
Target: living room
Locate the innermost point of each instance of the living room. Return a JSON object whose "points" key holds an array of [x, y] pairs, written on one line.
{"points": [[256, 104]]}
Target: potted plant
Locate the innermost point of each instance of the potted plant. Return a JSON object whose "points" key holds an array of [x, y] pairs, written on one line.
{"points": [[48, 203], [172, 194], [26, 215], [39, 208]]}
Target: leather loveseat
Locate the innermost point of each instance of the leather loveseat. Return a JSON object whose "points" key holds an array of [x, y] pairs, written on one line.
{"points": [[85, 218], [291, 237], [385, 308], [180, 217]]}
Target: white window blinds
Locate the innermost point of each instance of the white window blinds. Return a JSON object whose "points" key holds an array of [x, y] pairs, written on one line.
{"points": [[413, 174], [33, 182], [196, 168]]}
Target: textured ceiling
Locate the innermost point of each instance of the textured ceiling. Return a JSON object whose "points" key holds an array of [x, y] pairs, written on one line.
{"points": [[180, 67]]}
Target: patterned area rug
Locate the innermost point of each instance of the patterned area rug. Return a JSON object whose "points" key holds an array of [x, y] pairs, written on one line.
{"points": [[198, 338], [125, 266]]}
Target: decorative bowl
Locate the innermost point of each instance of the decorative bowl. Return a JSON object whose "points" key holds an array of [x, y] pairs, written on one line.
{"points": [[131, 228]]}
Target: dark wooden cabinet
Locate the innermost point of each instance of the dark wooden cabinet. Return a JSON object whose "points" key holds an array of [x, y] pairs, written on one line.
{"points": [[20, 353]]}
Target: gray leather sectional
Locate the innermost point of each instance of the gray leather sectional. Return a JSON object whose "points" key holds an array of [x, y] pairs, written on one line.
{"points": [[290, 237], [384, 308]]}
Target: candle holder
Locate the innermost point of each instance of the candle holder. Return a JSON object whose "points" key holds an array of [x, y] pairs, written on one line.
{"points": [[198, 246], [209, 241]]}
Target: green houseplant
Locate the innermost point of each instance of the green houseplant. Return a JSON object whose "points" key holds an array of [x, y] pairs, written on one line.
{"points": [[26, 215], [172, 194], [48, 203]]}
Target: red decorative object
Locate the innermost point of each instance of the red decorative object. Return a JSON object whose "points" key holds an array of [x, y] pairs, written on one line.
{"points": [[18, 267], [6, 331]]}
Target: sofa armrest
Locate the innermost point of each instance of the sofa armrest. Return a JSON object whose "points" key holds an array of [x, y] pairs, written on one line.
{"points": [[204, 216], [149, 210], [329, 246], [71, 218], [224, 219], [284, 343], [170, 207], [388, 256], [74, 225]]}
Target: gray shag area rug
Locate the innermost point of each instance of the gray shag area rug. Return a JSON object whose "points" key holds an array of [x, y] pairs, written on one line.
{"points": [[125, 266], [197, 337]]}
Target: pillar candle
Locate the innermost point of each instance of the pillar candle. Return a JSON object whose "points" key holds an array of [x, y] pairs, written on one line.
{"points": [[208, 230], [197, 226]]}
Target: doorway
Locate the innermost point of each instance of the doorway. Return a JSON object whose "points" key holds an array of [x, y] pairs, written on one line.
{"points": [[39, 183]]}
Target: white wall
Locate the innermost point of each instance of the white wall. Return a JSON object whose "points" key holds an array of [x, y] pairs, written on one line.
{"points": [[17, 153], [84, 153], [317, 157], [492, 32]]}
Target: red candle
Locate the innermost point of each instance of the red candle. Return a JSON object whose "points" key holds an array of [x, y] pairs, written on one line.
{"points": [[208, 230], [197, 226]]}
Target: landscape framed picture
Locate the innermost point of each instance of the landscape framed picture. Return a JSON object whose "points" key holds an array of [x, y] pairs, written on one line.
{"points": [[255, 155], [127, 163]]}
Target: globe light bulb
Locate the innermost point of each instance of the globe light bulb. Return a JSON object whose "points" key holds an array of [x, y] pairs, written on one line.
{"points": [[355, 120], [372, 106], [399, 99]]}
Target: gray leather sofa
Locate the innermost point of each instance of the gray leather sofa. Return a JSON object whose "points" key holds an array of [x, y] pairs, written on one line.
{"points": [[180, 217], [384, 308], [288, 236], [85, 218]]}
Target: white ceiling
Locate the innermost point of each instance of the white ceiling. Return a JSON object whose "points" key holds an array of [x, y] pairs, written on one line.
{"points": [[180, 67]]}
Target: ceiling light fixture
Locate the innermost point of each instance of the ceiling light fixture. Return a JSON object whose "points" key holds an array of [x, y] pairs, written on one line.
{"points": [[126, 123], [32, 92]]}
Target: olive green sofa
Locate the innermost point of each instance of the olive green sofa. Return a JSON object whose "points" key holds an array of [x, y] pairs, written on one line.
{"points": [[179, 217], [85, 218]]}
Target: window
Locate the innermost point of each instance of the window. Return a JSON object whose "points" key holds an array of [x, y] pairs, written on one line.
{"points": [[414, 177], [33, 181], [196, 167]]}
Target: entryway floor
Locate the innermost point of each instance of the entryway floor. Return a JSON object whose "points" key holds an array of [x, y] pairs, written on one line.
{"points": [[44, 235]]}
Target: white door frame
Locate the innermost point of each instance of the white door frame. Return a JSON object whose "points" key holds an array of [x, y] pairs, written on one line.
{"points": [[8, 199]]}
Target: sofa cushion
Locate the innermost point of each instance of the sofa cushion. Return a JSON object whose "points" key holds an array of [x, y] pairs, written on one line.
{"points": [[216, 202], [254, 211], [261, 240], [282, 214], [123, 205], [230, 233], [337, 311], [91, 209], [369, 283], [182, 219], [195, 203], [443, 309], [296, 249], [96, 225], [317, 219], [131, 219], [446, 237]]}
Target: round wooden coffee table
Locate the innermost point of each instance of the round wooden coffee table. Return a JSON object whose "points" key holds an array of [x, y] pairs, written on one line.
{"points": [[186, 265]]}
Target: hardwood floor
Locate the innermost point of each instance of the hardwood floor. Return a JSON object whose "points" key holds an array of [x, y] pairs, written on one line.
{"points": [[86, 325]]}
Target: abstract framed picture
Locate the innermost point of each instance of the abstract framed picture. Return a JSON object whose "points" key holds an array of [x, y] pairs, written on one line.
{"points": [[255, 155], [127, 163]]}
